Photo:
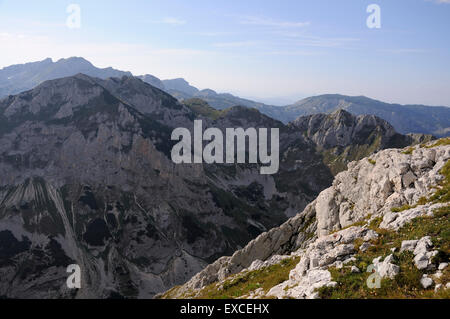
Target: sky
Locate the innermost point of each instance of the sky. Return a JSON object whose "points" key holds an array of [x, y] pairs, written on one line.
{"points": [[277, 51]]}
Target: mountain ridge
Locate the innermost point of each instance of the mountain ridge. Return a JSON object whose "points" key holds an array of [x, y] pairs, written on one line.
{"points": [[405, 118]]}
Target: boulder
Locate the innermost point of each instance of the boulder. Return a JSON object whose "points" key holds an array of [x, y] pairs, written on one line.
{"points": [[426, 282], [386, 268], [355, 270], [408, 245], [442, 266]]}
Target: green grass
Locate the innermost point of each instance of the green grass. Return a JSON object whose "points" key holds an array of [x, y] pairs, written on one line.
{"points": [[402, 208], [409, 151], [337, 159], [440, 142], [407, 283], [371, 161], [243, 283], [200, 107]]}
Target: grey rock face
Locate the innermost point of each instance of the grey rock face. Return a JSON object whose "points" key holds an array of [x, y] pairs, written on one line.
{"points": [[408, 245], [79, 177], [87, 179], [375, 185], [342, 137], [341, 129]]}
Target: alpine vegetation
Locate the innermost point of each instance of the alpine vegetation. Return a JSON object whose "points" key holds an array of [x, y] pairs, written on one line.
{"points": [[232, 150]]}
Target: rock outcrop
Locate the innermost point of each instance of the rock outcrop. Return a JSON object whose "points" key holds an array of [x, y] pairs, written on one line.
{"points": [[325, 234]]}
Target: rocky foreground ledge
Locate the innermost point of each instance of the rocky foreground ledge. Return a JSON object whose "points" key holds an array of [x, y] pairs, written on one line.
{"points": [[382, 230]]}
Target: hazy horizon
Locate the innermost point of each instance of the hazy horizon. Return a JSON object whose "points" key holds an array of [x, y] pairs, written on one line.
{"points": [[257, 50]]}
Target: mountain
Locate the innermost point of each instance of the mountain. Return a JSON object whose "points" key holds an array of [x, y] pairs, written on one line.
{"points": [[382, 224], [180, 85], [405, 118], [153, 81], [182, 90], [18, 78], [342, 137], [87, 179]]}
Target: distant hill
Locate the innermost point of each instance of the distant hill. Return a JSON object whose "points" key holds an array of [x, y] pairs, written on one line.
{"points": [[405, 118], [22, 77], [422, 119]]}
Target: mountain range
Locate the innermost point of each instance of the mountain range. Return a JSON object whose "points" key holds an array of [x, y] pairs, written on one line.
{"points": [[405, 118], [87, 178]]}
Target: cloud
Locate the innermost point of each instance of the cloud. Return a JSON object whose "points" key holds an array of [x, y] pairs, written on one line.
{"points": [[294, 53], [316, 41], [210, 34], [403, 51], [440, 1], [237, 44], [273, 23], [173, 21]]}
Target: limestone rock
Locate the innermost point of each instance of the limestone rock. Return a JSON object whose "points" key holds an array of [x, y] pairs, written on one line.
{"points": [[423, 253], [355, 269], [426, 282], [304, 287], [386, 268], [408, 245]]}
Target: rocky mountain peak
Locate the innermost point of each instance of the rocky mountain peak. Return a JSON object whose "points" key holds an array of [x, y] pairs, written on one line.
{"points": [[180, 85], [75, 62], [341, 129], [153, 80], [207, 92]]}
